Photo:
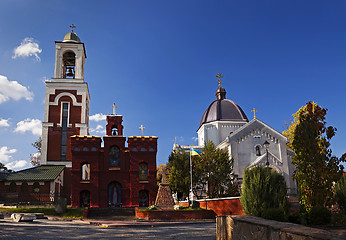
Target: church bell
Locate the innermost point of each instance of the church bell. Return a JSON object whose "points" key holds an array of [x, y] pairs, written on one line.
{"points": [[69, 72]]}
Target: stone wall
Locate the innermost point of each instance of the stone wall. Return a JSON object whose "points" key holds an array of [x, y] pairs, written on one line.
{"points": [[243, 227]]}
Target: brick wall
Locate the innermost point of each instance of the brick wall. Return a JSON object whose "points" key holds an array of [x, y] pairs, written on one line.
{"points": [[221, 206]]}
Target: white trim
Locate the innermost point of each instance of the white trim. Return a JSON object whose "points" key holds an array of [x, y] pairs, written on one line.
{"points": [[47, 124], [73, 97], [67, 164]]}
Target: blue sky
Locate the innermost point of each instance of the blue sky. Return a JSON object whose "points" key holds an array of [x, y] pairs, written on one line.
{"points": [[157, 61]]}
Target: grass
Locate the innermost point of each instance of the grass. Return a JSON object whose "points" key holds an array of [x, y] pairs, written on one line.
{"points": [[70, 212]]}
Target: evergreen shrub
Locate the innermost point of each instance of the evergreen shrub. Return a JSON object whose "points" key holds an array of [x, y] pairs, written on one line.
{"points": [[294, 218], [195, 205], [319, 215], [276, 214], [340, 193], [262, 189]]}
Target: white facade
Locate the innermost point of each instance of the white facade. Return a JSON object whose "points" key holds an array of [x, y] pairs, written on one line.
{"points": [[242, 144], [226, 125]]}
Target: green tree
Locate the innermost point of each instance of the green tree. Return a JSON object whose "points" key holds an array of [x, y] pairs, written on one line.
{"points": [[340, 193], [263, 189], [4, 168], [36, 157], [179, 172], [214, 168], [316, 168]]}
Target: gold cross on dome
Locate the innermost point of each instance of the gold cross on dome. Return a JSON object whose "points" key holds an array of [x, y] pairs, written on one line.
{"points": [[218, 75], [114, 107], [72, 27], [254, 112]]}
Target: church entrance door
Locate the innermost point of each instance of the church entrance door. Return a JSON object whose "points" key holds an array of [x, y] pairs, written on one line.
{"points": [[85, 199], [114, 195], [143, 198]]}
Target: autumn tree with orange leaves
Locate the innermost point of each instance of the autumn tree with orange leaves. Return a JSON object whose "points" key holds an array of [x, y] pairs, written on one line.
{"points": [[316, 168]]}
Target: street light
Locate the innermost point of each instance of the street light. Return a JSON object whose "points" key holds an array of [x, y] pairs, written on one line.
{"points": [[266, 144]]}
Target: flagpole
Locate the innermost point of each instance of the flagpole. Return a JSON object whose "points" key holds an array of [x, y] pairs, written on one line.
{"points": [[191, 192]]}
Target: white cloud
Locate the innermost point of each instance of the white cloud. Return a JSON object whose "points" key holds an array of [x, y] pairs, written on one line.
{"points": [[97, 117], [16, 165], [99, 129], [29, 125], [195, 139], [29, 47], [14, 90], [4, 122], [5, 154]]}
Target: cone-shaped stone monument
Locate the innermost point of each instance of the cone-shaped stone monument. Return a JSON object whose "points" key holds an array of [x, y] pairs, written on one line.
{"points": [[164, 199]]}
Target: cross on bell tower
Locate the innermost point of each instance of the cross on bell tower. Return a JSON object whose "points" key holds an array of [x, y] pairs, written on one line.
{"points": [[72, 27]]}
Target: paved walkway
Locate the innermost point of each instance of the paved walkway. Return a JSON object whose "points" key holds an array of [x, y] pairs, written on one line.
{"points": [[61, 228], [137, 222]]}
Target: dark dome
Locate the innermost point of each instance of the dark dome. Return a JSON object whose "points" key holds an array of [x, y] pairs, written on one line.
{"points": [[223, 109]]}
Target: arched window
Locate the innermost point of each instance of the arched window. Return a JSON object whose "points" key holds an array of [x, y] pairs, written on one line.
{"points": [[258, 151], [24, 187], [13, 187], [151, 149], [143, 149], [64, 126], [94, 149], [114, 157], [36, 187], [134, 149], [76, 149], [143, 172], [114, 194], [86, 172], [69, 61], [114, 131], [85, 149]]}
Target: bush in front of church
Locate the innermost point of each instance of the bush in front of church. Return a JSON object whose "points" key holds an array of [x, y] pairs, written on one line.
{"points": [[263, 189], [340, 193]]}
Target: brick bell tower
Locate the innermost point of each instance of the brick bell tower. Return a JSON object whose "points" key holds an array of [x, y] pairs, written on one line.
{"points": [[66, 103]]}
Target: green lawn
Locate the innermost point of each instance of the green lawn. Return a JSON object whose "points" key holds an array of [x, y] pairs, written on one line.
{"points": [[70, 212]]}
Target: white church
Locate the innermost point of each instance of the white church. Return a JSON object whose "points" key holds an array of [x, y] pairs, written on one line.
{"points": [[248, 143]]}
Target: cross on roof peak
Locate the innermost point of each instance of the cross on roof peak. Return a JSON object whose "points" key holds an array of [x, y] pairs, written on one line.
{"points": [[142, 128], [254, 112]]}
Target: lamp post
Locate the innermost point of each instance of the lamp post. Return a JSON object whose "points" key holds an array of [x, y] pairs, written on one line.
{"points": [[266, 144]]}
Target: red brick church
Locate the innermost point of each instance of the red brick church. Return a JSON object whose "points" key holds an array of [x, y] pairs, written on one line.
{"points": [[92, 175]]}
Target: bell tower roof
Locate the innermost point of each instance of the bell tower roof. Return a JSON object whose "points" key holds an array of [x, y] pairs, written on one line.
{"points": [[71, 36]]}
